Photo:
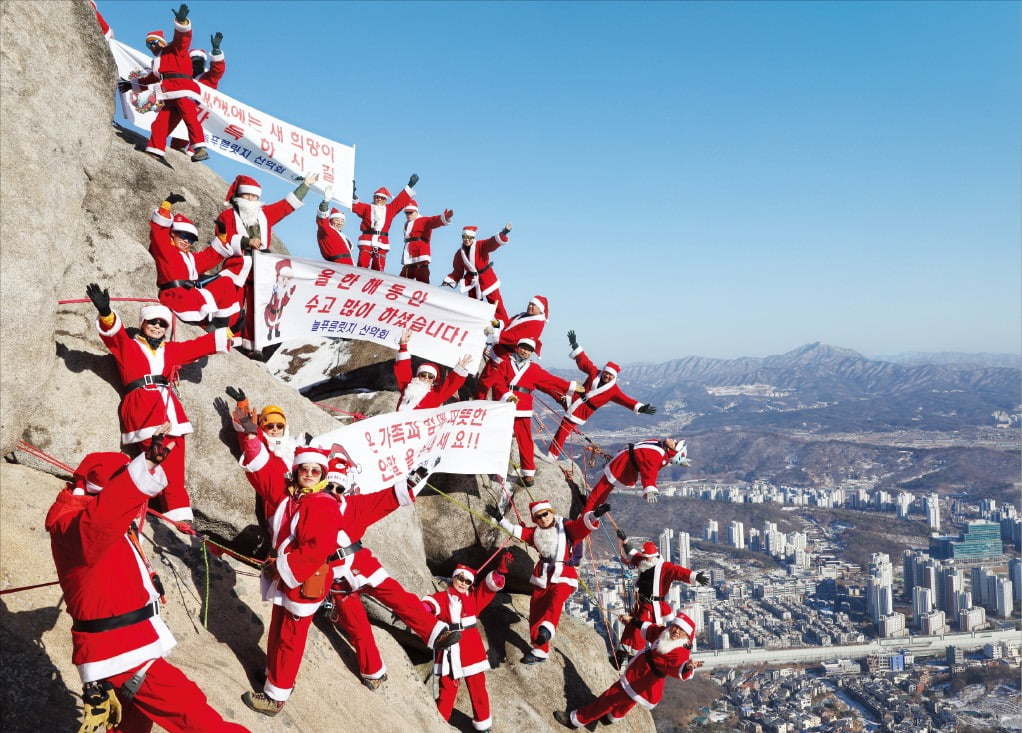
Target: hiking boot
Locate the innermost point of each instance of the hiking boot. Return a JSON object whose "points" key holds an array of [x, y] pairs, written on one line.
{"points": [[374, 683], [563, 718], [528, 481], [543, 636], [199, 155], [531, 658], [447, 638], [262, 704]]}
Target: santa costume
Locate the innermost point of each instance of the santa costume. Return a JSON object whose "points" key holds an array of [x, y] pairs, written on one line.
{"points": [[502, 342], [418, 234], [418, 394], [333, 245], [473, 272], [283, 290], [638, 462], [374, 231], [114, 597], [656, 576]]}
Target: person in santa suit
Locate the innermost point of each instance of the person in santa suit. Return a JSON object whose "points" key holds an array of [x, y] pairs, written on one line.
{"points": [[171, 77], [554, 577], [639, 462], [333, 245], [656, 576], [148, 365], [473, 272], [108, 32], [420, 393], [517, 377], [642, 679], [418, 233], [178, 269], [374, 235], [460, 606], [502, 341], [119, 640], [600, 388], [283, 290], [243, 228], [210, 78]]}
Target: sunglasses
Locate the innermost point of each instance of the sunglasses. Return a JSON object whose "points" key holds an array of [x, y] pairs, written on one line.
{"points": [[274, 426], [187, 236], [461, 579], [541, 515], [426, 375], [158, 322]]}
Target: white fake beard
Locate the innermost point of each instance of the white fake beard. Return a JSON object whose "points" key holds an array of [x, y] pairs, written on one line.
{"points": [[413, 394], [282, 447], [646, 564], [545, 541], [665, 644], [248, 211]]}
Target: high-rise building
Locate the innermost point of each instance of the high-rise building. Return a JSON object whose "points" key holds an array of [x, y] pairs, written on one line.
{"points": [[736, 534], [1015, 575], [932, 504], [954, 655], [981, 540], [949, 582], [978, 582], [711, 533], [666, 548], [970, 619], [892, 625], [1004, 603], [903, 504], [922, 603], [684, 550]]}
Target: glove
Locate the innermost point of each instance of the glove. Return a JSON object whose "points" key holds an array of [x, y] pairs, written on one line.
{"points": [[572, 341], [328, 193], [505, 563], [621, 535], [174, 198], [100, 298], [601, 510], [124, 86], [102, 708], [214, 42], [412, 180], [354, 196], [494, 513], [647, 410], [157, 451], [269, 569], [448, 214], [506, 230], [235, 393], [181, 14], [702, 578], [651, 497]]}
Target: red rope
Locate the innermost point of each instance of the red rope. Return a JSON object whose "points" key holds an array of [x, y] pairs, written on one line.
{"points": [[33, 451], [28, 587], [357, 415]]}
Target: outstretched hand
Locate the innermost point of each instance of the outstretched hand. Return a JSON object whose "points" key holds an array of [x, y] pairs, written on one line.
{"points": [[601, 510], [572, 341], [505, 563], [702, 578], [647, 410], [621, 534], [652, 497], [181, 14], [124, 86], [494, 513], [412, 180], [235, 393], [214, 41], [100, 298]]}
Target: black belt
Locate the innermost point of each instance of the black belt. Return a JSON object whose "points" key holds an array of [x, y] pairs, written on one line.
{"points": [[652, 667], [94, 626], [340, 259], [345, 552], [631, 456], [461, 626], [175, 76], [587, 403], [416, 239], [488, 267], [149, 379], [650, 599], [187, 284], [375, 231], [523, 390]]}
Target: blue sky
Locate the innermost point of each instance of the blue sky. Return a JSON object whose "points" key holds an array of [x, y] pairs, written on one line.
{"points": [[702, 178]]}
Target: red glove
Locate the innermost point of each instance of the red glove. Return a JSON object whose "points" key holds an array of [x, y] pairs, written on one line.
{"points": [[505, 563], [448, 214]]}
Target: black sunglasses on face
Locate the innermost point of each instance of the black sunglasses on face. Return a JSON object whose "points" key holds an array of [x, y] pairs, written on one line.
{"points": [[190, 238], [158, 322]]}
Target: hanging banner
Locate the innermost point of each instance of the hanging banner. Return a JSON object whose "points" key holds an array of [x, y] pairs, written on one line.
{"points": [[298, 298], [243, 133], [468, 438]]}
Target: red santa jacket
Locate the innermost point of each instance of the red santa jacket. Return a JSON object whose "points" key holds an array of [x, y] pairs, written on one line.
{"points": [[217, 67], [639, 461], [468, 656], [652, 587], [473, 269], [145, 408], [310, 531], [581, 406], [520, 379], [375, 226], [554, 545], [333, 245], [230, 231], [171, 72], [267, 473], [418, 235], [103, 574], [642, 678], [172, 263], [436, 396], [521, 326]]}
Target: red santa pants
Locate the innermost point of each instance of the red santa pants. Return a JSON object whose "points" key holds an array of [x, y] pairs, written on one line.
{"points": [[478, 693], [171, 700], [285, 648], [526, 445], [419, 271], [366, 257], [487, 380], [218, 298], [175, 110], [174, 501], [501, 313], [599, 495], [545, 610], [408, 608], [353, 621], [614, 700], [564, 430]]}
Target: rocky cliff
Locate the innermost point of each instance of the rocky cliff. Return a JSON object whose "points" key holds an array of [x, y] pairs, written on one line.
{"points": [[76, 196]]}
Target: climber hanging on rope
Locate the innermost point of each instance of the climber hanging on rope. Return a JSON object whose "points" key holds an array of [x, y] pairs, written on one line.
{"points": [[638, 462]]}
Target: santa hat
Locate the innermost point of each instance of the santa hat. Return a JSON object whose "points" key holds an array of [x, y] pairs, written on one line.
{"points": [[283, 268], [531, 343], [470, 232], [243, 184], [381, 191], [96, 469], [413, 205], [155, 36], [428, 368], [198, 53], [466, 571], [308, 454], [649, 549], [182, 223], [612, 369], [684, 623], [154, 311], [337, 471], [543, 505], [335, 213], [271, 410], [540, 302]]}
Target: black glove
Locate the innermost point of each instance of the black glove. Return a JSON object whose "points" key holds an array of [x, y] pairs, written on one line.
{"points": [[702, 578], [100, 298], [181, 14], [235, 393], [175, 198], [157, 451], [572, 341], [504, 232], [354, 196], [621, 535], [601, 510], [412, 180], [494, 513], [214, 41], [124, 86], [647, 410]]}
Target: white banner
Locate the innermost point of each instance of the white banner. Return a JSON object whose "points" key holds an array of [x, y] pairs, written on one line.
{"points": [[298, 298], [243, 133], [468, 437]]}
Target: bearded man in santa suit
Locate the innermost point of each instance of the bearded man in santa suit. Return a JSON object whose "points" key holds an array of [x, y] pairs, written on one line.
{"points": [[473, 272], [600, 388], [642, 679], [244, 228], [209, 78], [502, 341], [333, 245], [148, 365], [374, 235], [119, 639], [418, 235], [419, 393], [554, 577], [460, 606], [639, 462]]}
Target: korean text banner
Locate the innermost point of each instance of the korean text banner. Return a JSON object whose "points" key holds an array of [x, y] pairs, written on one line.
{"points": [[300, 298], [243, 133], [468, 438]]}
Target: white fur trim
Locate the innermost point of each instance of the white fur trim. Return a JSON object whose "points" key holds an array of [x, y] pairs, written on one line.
{"points": [[432, 602], [591, 521], [103, 668], [223, 344], [460, 370], [278, 694], [404, 497], [650, 490], [575, 352], [181, 514], [155, 151], [549, 627], [150, 484], [638, 407], [491, 581], [295, 202], [482, 724], [246, 188], [539, 653], [257, 463], [438, 629], [573, 717], [286, 575], [185, 27], [161, 220], [217, 55]]}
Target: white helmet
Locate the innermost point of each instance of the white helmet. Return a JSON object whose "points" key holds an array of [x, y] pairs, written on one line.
{"points": [[680, 458]]}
